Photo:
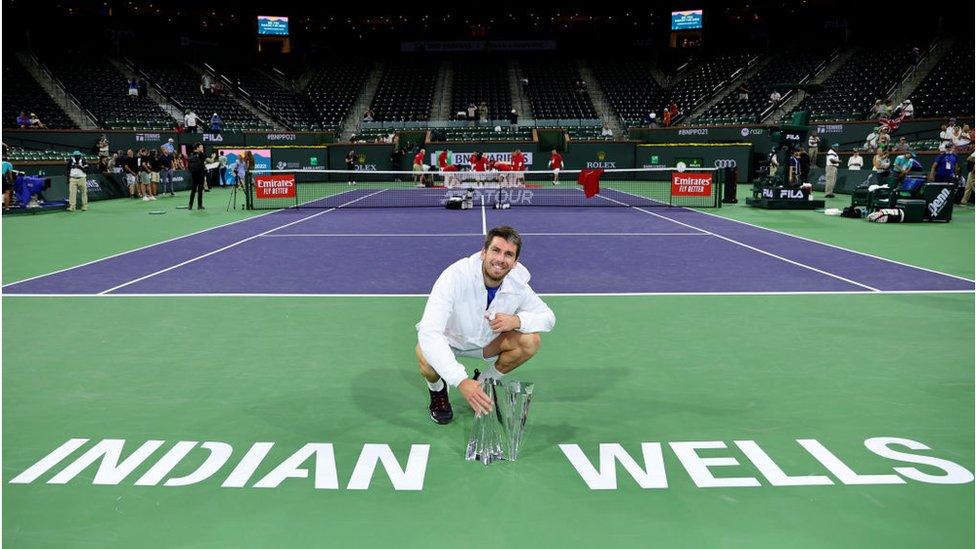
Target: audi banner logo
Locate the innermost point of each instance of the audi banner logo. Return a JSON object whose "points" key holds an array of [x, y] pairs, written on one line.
{"points": [[725, 163]]}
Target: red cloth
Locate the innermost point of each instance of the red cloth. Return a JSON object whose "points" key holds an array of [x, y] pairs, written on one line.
{"points": [[590, 180], [503, 166], [556, 161], [451, 168]]}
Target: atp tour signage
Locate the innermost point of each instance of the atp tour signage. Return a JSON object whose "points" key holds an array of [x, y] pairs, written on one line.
{"points": [[691, 184], [274, 186], [741, 464]]}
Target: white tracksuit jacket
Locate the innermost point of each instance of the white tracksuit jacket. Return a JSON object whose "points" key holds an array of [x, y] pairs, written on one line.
{"points": [[456, 309]]}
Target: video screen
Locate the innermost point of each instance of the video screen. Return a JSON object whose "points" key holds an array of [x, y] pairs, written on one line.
{"points": [[272, 25], [686, 20]]}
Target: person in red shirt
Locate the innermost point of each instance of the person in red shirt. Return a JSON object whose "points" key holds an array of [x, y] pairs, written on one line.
{"points": [[479, 162], [506, 173], [518, 164], [443, 160], [666, 118], [418, 168], [555, 164]]}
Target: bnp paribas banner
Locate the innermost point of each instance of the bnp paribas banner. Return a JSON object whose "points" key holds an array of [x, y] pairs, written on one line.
{"points": [[463, 158]]}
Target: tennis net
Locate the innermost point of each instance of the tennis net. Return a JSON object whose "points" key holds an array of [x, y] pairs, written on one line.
{"points": [[644, 187]]}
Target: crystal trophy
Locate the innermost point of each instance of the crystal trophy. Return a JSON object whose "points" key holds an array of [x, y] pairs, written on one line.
{"points": [[498, 434]]}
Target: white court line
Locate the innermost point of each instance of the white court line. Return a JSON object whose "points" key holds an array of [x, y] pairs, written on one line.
{"points": [[835, 246], [422, 235], [147, 246], [556, 294], [484, 219], [744, 245], [239, 242]]}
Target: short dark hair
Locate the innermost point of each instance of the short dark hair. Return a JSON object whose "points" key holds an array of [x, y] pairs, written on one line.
{"points": [[509, 234]]}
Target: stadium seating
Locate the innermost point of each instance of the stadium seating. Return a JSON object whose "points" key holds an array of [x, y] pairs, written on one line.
{"points": [[104, 91], [477, 80], [552, 89], [292, 109], [405, 92], [332, 89], [704, 79], [787, 68], [183, 84], [22, 93], [849, 92], [629, 88], [948, 89]]}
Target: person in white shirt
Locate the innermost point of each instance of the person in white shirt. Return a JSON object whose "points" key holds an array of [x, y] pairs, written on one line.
{"points": [[855, 162], [907, 109], [813, 147], [775, 97], [606, 132], [871, 141], [833, 162], [480, 307], [190, 121]]}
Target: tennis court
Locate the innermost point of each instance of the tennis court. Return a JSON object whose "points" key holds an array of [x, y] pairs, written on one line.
{"points": [[731, 328]]}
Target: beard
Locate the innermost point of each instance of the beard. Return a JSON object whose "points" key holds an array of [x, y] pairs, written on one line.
{"points": [[490, 272]]}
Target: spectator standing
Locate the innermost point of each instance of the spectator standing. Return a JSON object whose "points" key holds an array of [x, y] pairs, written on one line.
{"points": [[969, 179], [76, 171], [8, 183], [197, 165], [222, 167], [145, 175], [833, 163], [946, 167], [133, 88], [773, 161], [130, 167], [216, 123], [167, 163], [483, 112], [813, 147], [513, 120], [155, 168], [805, 163], [855, 162], [103, 147], [743, 92], [666, 119], [190, 121], [793, 177]]}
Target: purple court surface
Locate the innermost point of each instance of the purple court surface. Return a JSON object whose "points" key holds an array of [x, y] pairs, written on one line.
{"points": [[568, 250]]}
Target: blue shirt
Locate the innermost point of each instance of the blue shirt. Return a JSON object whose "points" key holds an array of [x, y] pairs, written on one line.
{"points": [[945, 167], [903, 164], [491, 295]]}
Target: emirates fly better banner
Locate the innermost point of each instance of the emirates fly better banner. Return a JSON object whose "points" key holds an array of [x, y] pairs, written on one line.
{"points": [[274, 186], [691, 184]]}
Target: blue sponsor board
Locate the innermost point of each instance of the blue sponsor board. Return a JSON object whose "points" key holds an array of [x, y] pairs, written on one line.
{"points": [[272, 25]]}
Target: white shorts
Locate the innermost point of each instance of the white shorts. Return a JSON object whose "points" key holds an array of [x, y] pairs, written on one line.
{"points": [[475, 353]]}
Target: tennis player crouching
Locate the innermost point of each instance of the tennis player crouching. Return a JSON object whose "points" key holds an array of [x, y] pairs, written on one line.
{"points": [[480, 307]]}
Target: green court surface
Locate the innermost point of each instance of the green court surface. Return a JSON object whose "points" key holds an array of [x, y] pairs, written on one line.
{"points": [[773, 369]]}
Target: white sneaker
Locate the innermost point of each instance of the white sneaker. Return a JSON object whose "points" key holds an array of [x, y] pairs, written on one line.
{"points": [[145, 199], [151, 197]]}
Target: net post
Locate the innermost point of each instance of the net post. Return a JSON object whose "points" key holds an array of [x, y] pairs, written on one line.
{"points": [[720, 183]]}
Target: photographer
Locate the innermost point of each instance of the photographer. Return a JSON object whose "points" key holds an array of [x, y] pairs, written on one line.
{"points": [[76, 171], [197, 165]]}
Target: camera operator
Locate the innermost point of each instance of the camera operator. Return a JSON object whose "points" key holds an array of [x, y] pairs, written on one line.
{"points": [[76, 169]]}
